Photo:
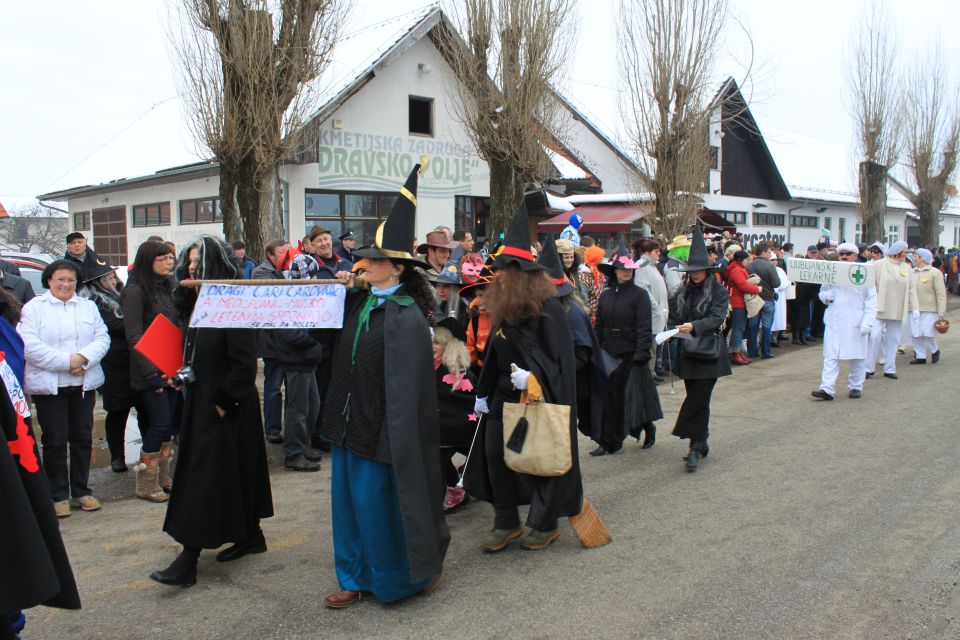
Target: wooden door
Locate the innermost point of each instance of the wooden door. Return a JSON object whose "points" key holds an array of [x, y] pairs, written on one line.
{"points": [[110, 235]]}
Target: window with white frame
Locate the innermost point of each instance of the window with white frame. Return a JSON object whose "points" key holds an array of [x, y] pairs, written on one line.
{"points": [[893, 233], [842, 230], [859, 234]]}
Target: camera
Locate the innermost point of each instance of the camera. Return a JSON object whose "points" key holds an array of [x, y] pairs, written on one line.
{"points": [[184, 376]]}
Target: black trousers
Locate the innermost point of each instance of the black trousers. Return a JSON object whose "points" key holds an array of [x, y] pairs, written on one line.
{"points": [[693, 420], [66, 418], [115, 426], [507, 492]]}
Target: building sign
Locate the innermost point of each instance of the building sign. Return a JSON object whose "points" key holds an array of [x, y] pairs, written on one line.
{"points": [[841, 274], [350, 160], [265, 306]]}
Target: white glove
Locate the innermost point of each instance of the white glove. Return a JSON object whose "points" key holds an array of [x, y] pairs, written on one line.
{"points": [[827, 297], [519, 377], [480, 406], [915, 315]]}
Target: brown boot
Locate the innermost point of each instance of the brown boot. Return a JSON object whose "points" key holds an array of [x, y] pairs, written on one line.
{"points": [[164, 477], [147, 470]]}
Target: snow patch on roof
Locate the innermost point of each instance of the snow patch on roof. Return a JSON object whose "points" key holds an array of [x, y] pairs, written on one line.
{"points": [[568, 169], [603, 198]]}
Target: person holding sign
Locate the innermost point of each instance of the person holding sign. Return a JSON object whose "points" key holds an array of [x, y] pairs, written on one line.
{"points": [[893, 283], [380, 416], [221, 484], [928, 303], [848, 319]]}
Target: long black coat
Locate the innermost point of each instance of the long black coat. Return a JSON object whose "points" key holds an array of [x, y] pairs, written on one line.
{"points": [[543, 347], [221, 485], [117, 392], [408, 389], [623, 322], [706, 308], [36, 569]]}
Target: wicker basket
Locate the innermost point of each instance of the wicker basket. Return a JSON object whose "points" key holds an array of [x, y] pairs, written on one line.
{"points": [[942, 325]]}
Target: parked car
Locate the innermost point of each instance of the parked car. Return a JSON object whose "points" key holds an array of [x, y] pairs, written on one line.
{"points": [[31, 266]]}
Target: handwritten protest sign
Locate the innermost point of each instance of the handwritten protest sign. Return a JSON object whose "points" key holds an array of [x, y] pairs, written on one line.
{"points": [[841, 274], [266, 306]]}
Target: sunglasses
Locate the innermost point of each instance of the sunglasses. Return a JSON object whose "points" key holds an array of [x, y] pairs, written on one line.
{"points": [[847, 253]]}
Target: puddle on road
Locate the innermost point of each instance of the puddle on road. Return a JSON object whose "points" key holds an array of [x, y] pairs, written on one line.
{"points": [[131, 439]]}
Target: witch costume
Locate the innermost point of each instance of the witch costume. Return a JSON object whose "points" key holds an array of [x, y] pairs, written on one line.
{"points": [[221, 484], [389, 535], [36, 569], [543, 347], [703, 358], [591, 371], [623, 326]]}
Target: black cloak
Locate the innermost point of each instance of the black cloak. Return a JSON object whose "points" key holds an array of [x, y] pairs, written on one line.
{"points": [[546, 351], [221, 484], [410, 395], [36, 569], [455, 409], [591, 375]]}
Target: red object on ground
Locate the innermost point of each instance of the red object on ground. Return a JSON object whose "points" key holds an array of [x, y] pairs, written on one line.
{"points": [[162, 344]]}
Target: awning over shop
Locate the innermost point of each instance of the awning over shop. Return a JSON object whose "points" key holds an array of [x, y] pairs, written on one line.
{"points": [[597, 218], [713, 221]]}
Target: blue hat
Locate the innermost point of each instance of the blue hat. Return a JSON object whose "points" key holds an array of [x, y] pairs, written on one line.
{"points": [[576, 220], [347, 236]]}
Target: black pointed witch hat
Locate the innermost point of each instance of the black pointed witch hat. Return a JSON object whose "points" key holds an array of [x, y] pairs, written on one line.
{"points": [[516, 244], [698, 260], [550, 260], [622, 260], [394, 237]]}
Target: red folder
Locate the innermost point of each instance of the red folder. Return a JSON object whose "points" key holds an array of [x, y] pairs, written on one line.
{"points": [[162, 344]]}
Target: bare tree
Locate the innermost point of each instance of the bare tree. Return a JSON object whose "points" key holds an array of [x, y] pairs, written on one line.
{"points": [[666, 55], [873, 85], [505, 59], [931, 140], [248, 74], [36, 225]]}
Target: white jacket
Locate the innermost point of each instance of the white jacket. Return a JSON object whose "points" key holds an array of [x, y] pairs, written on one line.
{"points": [[40, 326]]}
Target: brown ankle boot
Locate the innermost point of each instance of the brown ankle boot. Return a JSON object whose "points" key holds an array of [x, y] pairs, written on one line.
{"points": [[164, 477], [147, 471]]}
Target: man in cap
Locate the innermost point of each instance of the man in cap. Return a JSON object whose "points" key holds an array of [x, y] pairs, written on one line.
{"points": [[348, 243], [437, 248], [329, 264], [572, 231], [928, 303], [849, 317], [80, 254], [893, 282]]}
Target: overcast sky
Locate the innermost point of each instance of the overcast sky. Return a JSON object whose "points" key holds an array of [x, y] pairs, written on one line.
{"points": [[76, 74]]}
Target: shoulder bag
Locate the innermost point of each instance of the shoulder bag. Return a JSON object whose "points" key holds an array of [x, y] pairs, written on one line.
{"points": [[703, 348], [536, 438]]}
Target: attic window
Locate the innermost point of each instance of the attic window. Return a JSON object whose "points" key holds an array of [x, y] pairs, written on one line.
{"points": [[421, 116]]}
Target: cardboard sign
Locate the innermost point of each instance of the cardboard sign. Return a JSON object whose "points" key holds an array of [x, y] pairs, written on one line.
{"points": [[162, 345], [841, 274], [266, 306]]}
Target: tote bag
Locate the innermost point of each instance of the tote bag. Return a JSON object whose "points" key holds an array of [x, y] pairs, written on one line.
{"points": [[536, 438]]}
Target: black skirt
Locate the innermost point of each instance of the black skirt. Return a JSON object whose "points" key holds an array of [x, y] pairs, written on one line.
{"points": [[631, 401]]}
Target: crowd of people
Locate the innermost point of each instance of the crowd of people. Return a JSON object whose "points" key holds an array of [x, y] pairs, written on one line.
{"points": [[440, 343]]}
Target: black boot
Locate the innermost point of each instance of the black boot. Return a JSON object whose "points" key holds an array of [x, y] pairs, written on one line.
{"points": [[256, 544], [182, 572], [649, 435], [692, 456], [599, 451]]}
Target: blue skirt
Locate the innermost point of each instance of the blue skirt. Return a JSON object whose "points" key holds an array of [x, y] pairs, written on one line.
{"points": [[369, 544]]}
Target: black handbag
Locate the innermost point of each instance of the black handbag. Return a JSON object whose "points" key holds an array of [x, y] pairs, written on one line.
{"points": [[704, 348]]}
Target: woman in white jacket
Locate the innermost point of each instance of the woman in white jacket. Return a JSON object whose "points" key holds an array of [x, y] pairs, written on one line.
{"points": [[64, 340]]}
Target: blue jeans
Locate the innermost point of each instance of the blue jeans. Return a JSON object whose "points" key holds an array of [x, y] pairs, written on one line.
{"points": [[738, 324], [162, 413], [761, 323], [272, 396]]}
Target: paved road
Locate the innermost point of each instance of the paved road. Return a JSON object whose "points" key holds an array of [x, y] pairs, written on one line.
{"points": [[809, 520]]}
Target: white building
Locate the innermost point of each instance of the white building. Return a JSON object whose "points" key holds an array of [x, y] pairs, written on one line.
{"points": [[388, 100]]}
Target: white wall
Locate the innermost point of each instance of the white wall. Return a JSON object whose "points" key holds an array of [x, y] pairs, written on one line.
{"points": [[179, 234]]}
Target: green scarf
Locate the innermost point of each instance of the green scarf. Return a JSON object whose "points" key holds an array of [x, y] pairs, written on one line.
{"points": [[363, 323]]}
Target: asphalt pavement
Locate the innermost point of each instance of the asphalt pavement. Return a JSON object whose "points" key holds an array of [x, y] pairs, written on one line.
{"points": [[809, 519]]}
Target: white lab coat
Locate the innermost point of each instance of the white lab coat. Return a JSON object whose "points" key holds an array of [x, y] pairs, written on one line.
{"points": [[849, 317], [780, 308]]}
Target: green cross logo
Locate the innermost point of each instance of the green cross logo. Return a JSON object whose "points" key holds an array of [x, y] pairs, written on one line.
{"points": [[858, 275]]}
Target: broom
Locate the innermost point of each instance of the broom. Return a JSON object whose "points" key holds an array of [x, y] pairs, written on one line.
{"points": [[589, 528]]}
